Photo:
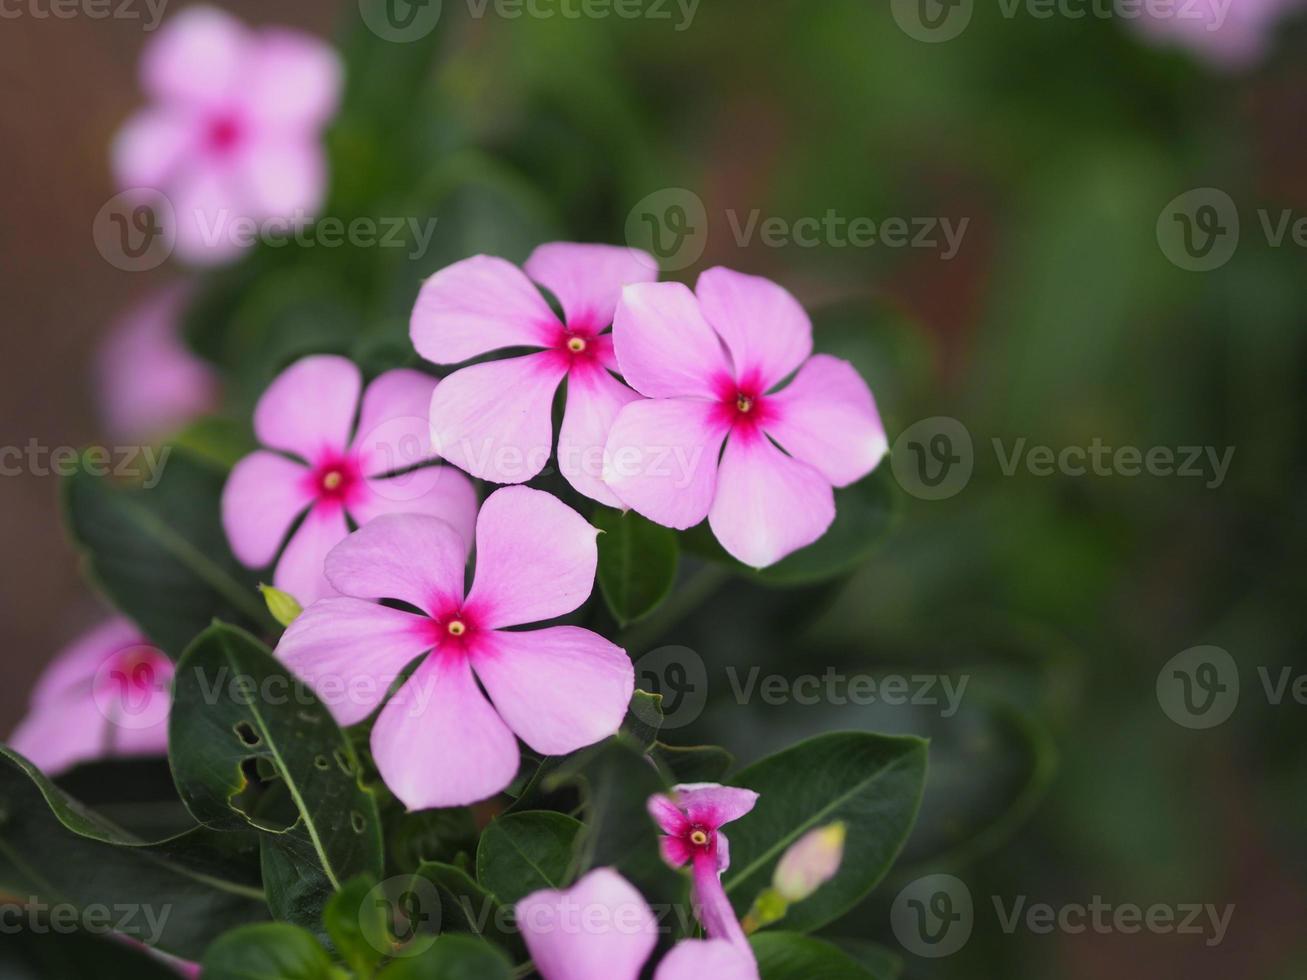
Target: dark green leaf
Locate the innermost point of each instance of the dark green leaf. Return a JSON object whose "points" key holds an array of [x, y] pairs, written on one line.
{"points": [[790, 956], [644, 718], [637, 563], [693, 763], [524, 852], [882, 963], [252, 747], [871, 782], [28, 955], [54, 849], [467, 907], [345, 917], [272, 951], [160, 553], [452, 958]]}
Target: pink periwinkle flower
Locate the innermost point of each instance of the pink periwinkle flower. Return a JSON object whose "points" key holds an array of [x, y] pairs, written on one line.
{"points": [[107, 694], [307, 415], [149, 383], [710, 363], [602, 929], [494, 419], [234, 131], [438, 742], [1229, 34], [691, 820]]}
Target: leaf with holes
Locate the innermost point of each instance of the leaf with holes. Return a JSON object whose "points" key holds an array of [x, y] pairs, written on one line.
{"points": [[524, 852], [871, 782], [252, 747]]}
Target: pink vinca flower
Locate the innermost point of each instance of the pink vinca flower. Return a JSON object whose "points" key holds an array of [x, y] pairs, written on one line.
{"points": [[602, 929], [107, 694], [438, 742], [710, 365], [691, 820], [149, 383], [308, 412], [1229, 34], [494, 419], [234, 134]]}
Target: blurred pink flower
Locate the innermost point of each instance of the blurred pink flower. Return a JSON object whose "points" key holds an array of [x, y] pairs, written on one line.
{"points": [[494, 419], [691, 820], [602, 929], [438, 742], [149, 383], [184, 968], [308, 411], [234, 130], [1230, 34], [709, 365], [107, 694]]}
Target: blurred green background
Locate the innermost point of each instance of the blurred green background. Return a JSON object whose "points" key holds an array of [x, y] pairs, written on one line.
{"points": [[1061, 320]]}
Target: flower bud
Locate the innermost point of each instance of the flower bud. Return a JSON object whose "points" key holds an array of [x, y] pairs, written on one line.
{"points": [[282, 605], [810, 863]]}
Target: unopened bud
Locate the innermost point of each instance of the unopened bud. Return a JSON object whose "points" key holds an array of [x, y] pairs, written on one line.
{"points": [[282, 605], [810, 863]]}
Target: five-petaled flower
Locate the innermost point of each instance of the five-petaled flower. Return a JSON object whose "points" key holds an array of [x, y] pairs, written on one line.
{"points": [[691, 820], [234, 131], [107, 694], [710, 365], [494, 419], [438, 742], [602, 929], [309, 411]]}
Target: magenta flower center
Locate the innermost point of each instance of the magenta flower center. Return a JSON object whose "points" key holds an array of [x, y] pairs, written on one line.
{"points": [[336, 479], [224, 134], [742, 403], [135, 672], [451, 629]]}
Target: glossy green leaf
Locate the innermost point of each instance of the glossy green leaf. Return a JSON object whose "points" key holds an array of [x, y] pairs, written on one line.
{"points": [[351, 919], [524, 852], [467, 907], [160, 554], [272, 951], [693, 763], [452, 958], [791, 956], [637, 563], [54, 849], [252, 747], [644, 719], [871, 782]]}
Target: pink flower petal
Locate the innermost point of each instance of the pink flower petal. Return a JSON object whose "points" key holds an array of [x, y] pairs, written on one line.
{"points": [[661, 458], [594, 397], [394, 430], [712, 804], [280, 178], [535, 559], [599, 929], [72, 671], [765, 328], [437, 491], [309, 409], [710, 959], [675, 851], [56, 735], [667, 814], [559, 689], [827, 417], [664, 345], [197, 58], [208, 204], [261, 499], [476, 306], [495, 420], [767, 504], [350, 652], [439, 743], [151, 145], [713, 907], [149, 384], [412, 557], [300, 569], [292, 81], [588, 279]]}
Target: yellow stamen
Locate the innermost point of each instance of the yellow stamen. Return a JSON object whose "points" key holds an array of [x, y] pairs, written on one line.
{"points": [[698, 838], [456, 627], [332, 480], [576, 344], [744, 403]]}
